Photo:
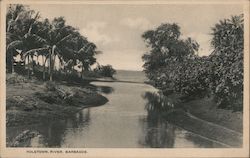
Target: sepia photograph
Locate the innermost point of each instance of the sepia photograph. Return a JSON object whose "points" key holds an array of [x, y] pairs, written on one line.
{"points": [[80, 76]]}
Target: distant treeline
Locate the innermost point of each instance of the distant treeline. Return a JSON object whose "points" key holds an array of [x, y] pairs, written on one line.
{"points": [[173, 63]]}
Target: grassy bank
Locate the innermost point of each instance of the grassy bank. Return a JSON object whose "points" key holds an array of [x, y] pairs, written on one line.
{"points": [[30, 101], [206, 109], [212, 131], [203, 117]]}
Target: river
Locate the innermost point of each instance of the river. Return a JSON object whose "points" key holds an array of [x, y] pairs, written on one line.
{"points": [[123, 122]]}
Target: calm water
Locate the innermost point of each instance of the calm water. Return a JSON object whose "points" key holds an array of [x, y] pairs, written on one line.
{"points": [[127, 120]]}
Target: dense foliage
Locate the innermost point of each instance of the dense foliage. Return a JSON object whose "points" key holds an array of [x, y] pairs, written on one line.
{"points": [[227, 62], [30, 36], [173, 65]]}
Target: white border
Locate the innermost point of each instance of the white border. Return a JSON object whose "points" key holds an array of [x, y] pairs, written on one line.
{"points": [[130, 152]]}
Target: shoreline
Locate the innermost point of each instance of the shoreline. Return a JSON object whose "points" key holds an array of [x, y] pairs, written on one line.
{"points": [[30, 102], [209, 130], [203, 117]]}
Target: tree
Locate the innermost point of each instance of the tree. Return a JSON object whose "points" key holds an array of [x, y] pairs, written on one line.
{"points": [[33, 37], [105, 70], [20, 34], [167, 50], [17, 21], [58, 42], [172, 63], [227, 59]]}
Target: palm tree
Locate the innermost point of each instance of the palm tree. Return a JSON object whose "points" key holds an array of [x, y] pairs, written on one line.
{"points": [[47, 39], [20, 22], [58, 40], [86, 56], [12, 40]]}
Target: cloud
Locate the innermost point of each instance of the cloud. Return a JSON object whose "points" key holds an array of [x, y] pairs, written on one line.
{"points": [[95, 32], [136, 23]]}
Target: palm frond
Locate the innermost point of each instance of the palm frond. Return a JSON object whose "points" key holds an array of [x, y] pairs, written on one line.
{"points": [[39, 39], [34, 50], [64, 39], [14, 44]]}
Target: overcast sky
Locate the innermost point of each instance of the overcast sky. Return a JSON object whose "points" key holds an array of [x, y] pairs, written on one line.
{"points": [[117, 29]]}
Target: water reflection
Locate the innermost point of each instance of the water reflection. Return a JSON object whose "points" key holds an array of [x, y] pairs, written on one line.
{"points": [[103, 89], [56, 131], [51, 133], [157, 102], [159, 134]]}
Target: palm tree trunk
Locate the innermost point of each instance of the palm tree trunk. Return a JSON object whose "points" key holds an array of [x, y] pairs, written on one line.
{"points": [[28, 66], [44, 62], [51, 63], [50, 66], [12, 63], [82, 73], [32, 65]]}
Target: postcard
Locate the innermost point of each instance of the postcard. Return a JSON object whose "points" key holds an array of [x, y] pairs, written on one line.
{"points": [[125, 78]]}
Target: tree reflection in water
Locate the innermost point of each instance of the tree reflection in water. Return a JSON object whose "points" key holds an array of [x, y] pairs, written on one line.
{"points": [[52, 133], [157, 102], [159, 133]]}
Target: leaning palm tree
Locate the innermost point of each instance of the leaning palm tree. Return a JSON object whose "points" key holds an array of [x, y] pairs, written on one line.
{"points": [[14, 31], [19, 34]]}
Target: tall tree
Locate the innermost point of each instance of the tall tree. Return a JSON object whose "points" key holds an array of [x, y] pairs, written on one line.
{"points": [[58, 38], [227, 59], [165, 47], [19, 31]]}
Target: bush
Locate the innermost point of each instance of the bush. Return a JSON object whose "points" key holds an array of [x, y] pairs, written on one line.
{"points": [[15, 79], [105, 70]]}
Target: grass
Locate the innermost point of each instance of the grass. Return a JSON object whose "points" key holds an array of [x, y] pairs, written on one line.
{"points": [[207, 109], [32, 101], [209, 130]]}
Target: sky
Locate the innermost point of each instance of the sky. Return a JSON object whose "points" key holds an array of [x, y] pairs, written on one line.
{"points": [[117, 29]]}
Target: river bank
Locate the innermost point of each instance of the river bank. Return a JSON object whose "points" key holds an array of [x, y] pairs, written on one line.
{"points": [[203, 117], [200, 116], [32, 101], [206, 109], [209, 130]]}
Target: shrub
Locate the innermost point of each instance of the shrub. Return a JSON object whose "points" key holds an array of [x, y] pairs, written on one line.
{"points": [[15, 79], [50, 86], [105, 70]]}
